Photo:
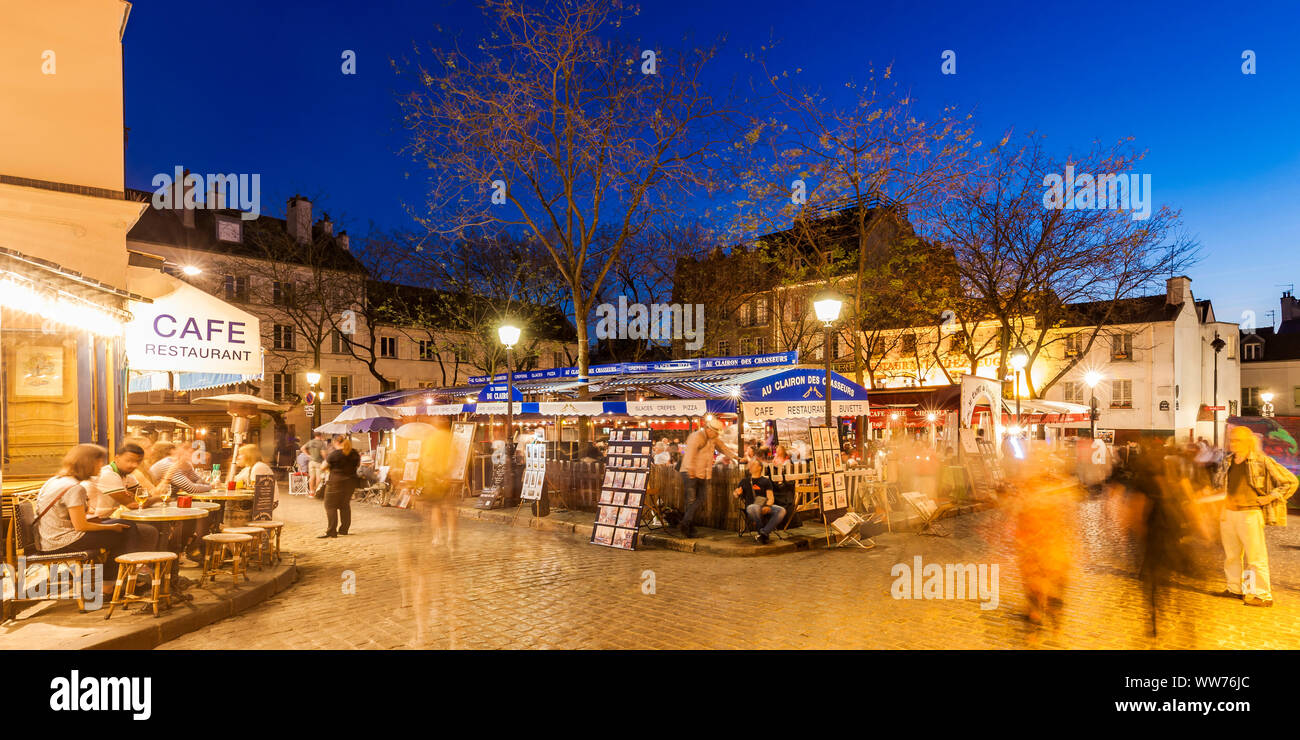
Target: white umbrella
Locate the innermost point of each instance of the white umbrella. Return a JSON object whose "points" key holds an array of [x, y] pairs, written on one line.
{"points": [[335, 427], [364, 411]]}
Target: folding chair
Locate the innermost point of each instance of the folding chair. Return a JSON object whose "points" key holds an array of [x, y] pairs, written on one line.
{"points": [[846, 531], [929, 512]]}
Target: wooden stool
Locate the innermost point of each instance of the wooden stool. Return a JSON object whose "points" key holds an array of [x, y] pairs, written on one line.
{"points": [[271, 527], [129, 569], [216, 547], [259, 536]]}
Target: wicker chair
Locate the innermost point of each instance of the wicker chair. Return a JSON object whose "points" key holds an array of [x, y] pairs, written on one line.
{"points": [[23, 526]]}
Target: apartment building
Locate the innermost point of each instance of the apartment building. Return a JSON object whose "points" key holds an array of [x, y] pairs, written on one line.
{"points": [[312, 296]]}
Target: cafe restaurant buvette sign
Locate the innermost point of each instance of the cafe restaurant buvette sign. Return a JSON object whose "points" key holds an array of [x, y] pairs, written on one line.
{"points": [[187, 330], [800, 393]]}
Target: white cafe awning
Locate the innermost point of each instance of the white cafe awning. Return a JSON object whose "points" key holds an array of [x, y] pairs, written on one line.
{"points": [[185, 330]]}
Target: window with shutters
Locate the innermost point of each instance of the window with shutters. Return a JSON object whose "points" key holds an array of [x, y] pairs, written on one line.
{"points": [[1121, 394], [282, 387], [236, 288], [340, 388], [282, 337], [1121, 347]]}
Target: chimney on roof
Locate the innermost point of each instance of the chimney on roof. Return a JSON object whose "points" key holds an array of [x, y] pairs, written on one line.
{"points": [[326, 226], [343, 240], [297, 217], [1290, 306], [1178, 290], [181, 192]]}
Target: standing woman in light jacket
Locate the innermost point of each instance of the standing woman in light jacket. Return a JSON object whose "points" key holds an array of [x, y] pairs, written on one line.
{"points": [[342, 463]]}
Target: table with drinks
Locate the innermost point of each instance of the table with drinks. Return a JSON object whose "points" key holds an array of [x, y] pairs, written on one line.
{"points": [[173, 516]]}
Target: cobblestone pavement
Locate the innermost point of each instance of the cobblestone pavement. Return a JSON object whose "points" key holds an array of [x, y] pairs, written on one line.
{"points": [[510, 587]]}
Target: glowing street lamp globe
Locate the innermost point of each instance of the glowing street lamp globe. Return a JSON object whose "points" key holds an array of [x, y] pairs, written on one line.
{"points": [[1019, 359], [313, 377], [1266, 397], [827, 307], [1092, 378], [509, 334]]}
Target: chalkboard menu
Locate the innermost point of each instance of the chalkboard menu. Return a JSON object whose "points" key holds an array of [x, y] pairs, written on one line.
{"points": [[263, 498], [622, 494]]}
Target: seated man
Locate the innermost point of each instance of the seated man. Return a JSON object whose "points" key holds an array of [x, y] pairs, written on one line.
{"points": [[758, 493], [116, 486]]}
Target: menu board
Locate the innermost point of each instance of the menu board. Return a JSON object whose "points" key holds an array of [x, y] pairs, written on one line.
{"points": [[263, 497], [622, 492], [534, 471], [829, 468]]}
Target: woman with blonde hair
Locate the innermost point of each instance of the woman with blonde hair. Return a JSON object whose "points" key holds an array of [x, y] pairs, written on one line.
{"points": [[61, 523], [249, 460], [342, 463]]}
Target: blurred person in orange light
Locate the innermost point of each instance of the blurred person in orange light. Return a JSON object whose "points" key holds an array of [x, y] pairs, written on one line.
{"points": [[1257, 489], [1040, 501]]}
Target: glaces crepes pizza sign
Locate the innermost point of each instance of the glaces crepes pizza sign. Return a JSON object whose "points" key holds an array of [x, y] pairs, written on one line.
{"points": [[188, 330]]}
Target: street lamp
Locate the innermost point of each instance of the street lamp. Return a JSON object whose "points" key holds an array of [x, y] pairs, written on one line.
{"points": [[1092, 378], [509, 335], [827, 307], [313, 379], [1267, 409], [1019, 358], [1218, 344]]}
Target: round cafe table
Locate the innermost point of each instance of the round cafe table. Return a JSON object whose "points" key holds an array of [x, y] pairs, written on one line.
{"points": [[172, 515]]}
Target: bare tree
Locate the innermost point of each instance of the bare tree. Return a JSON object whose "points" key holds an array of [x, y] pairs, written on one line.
{"points": [[549, 128], [1030, 267]]}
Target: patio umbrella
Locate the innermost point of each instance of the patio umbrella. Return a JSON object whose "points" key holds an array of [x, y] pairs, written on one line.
{"points": [[377, 424], [364, 411], [334, 427], [237, 399]]}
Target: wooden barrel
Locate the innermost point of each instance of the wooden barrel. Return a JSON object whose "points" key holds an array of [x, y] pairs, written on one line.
{"points": [[238, 513]]}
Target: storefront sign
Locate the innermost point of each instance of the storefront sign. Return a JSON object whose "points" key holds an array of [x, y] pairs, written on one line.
{"points": [[669, 366], [802, 385], [499, 393], [668, 407], [762, 410], [187, 330]]}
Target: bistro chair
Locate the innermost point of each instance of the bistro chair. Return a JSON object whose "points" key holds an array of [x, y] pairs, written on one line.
{"points": [[24, 523], [217, 548], [129, 567], [259, 536], [272, 545]]}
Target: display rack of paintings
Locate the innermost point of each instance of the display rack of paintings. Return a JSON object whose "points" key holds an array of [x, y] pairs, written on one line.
{"points": [[623, 490]]}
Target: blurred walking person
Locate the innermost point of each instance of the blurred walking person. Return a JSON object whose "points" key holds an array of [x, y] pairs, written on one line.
{"points": [[1257, 490], [341, 463]]}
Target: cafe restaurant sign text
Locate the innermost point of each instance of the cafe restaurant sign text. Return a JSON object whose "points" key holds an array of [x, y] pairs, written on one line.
{"points": [[188, 330]]}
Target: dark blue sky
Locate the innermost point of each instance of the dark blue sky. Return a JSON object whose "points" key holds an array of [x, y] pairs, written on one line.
{"points": [[255, 86]]}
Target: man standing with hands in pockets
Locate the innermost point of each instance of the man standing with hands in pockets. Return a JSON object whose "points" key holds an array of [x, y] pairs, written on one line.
{"points": [[1257, 490]]}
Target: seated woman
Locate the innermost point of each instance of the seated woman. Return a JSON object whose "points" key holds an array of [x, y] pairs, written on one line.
{"points": [[757, 492], [250, 465], [61, 505]]}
